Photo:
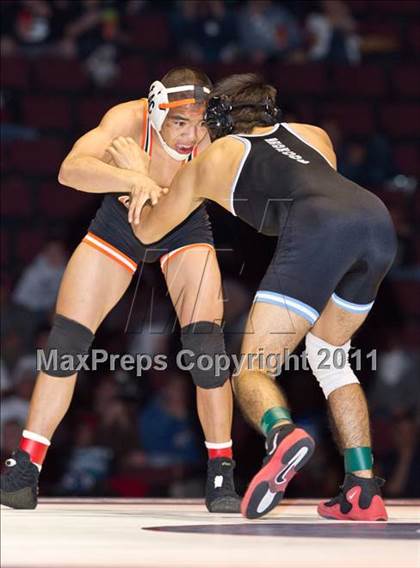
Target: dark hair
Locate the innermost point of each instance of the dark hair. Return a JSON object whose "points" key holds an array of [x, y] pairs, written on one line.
{"points": [[251, 89], [185, 76]]}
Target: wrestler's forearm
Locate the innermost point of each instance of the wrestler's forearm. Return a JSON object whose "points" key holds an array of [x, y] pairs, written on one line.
{"points": [[91, 175]]}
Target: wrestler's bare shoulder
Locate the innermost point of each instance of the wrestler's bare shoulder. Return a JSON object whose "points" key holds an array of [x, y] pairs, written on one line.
{"points": [[312, 131], [127, 111], [316, 137]]}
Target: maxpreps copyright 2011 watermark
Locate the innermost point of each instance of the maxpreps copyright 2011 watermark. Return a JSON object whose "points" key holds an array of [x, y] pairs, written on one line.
{"points": [[185, 360]]}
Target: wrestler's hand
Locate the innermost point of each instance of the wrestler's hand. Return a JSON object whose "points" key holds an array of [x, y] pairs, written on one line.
{"points": [[128, 155], [139, 196]]}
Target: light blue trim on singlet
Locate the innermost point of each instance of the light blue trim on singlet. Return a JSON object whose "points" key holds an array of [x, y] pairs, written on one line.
{"points": [[294, 305], [350, 306]]}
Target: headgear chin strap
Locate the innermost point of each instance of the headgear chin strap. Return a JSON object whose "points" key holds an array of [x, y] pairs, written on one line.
{"points": [[159, 106], [219, 117]]}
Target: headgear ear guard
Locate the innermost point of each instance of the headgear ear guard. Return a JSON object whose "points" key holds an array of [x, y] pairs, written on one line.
{"points": [[218, 118], [220, 121]]}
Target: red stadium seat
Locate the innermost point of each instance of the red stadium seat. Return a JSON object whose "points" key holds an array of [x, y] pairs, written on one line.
{"points": [[149, 31], [219, 71], [16, 197], [58, 201], [41, 157], [47, 112], [92, 110], [407, 158], [400, 119], [134, 76], [162, 66], [360, 81], [352, 118], [61, 74], [411, 335], [393, 199], [406, 81], [5, 162], [408, 293], [414, 37], [29, 243], [299, 79], [397, 8], [14, 72], [5, 247], [359, 7], [382, 36]]}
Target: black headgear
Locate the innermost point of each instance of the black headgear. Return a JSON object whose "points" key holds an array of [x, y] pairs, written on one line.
{"points": [[219, 119]]}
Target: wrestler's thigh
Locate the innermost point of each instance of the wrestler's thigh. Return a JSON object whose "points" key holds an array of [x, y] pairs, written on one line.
{"points": [[336, 325], [92, 285], [194, 284], [272, 330]]}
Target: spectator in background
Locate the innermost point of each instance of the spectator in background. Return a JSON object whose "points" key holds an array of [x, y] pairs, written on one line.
{"points": [[34, 26], [266, 30], [402, 462], [395, 402], [89, 464], [397, 381], [37, 288], [206, 31], [332, 34], [96, 36], [10, 434], [368, 163], [5, 382], [165, 430], [15, 407], [353, 163]]}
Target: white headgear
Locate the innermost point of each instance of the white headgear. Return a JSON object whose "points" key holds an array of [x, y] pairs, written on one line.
{"points": [[159, 107]]}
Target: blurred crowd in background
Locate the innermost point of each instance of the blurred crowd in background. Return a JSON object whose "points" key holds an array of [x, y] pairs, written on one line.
{"points": [[349, 67]]}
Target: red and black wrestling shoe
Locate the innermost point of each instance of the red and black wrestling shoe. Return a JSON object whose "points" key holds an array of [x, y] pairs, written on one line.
{"points": [[19, 482], [288, 449], [359, 499]]}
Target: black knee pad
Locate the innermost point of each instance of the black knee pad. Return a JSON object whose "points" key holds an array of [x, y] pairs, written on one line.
{"points": [[68, 343], [204, 351]]}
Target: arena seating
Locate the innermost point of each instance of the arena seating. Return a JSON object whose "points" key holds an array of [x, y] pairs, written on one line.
{"points": [[362, 99]]}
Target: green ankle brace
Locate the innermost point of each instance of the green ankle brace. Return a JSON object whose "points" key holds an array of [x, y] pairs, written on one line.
{"points": [[356, 459], [272, 416]]}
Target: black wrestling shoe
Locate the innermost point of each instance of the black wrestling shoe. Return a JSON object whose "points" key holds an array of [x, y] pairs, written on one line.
{"points": [[221, 496], [19, 483]]}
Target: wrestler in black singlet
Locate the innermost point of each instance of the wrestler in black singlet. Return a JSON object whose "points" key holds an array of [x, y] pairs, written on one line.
{"points": [[335, 239]]}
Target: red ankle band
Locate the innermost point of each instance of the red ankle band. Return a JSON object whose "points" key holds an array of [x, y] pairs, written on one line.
{"points": [[36, 450], [220, 453]]}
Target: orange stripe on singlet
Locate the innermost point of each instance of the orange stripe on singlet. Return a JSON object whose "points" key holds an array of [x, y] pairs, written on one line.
{"points": [[175, 252], [109, 250]]}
